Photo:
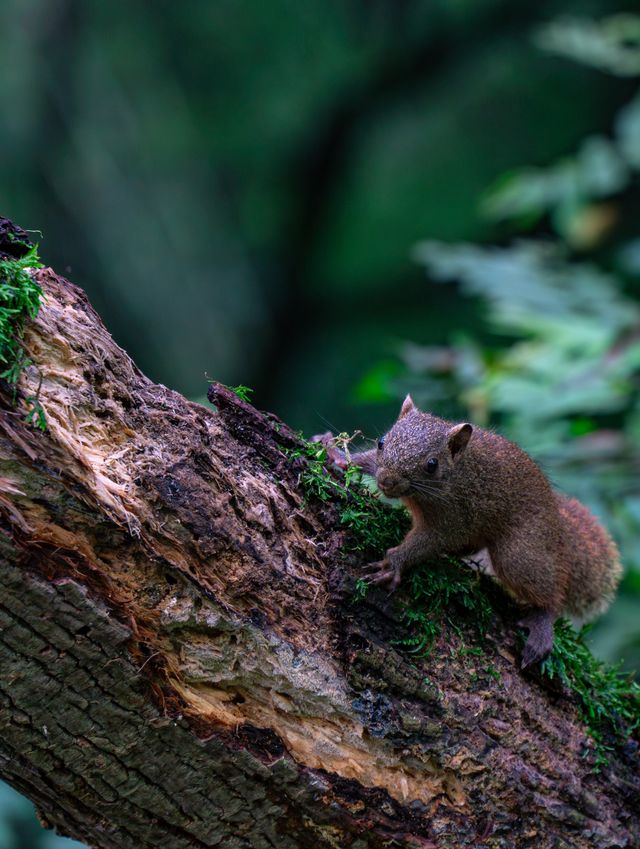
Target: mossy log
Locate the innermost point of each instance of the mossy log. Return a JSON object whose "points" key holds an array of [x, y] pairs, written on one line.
{"points": [[178, 670]]}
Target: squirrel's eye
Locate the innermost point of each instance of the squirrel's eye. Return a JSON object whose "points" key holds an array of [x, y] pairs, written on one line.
{"points": [[432, 465], [381, 443]]}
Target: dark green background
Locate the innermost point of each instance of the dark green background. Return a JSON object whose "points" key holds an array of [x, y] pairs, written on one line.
{"points": [[238, 185]]}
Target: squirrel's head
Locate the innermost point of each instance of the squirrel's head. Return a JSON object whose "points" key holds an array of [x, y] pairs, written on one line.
{"points": [[416, 457]]}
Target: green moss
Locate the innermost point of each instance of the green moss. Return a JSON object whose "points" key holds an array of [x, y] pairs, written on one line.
{"points": [[446, 592], [20, 298], [372, 525], [243, 392], [360, 591], [608, 700]]}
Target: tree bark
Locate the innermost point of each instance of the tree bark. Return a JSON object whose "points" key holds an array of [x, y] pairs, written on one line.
{"points": [[177, 670]]}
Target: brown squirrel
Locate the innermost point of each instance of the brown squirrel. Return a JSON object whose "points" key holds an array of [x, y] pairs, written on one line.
{"points": [[468, 489]]}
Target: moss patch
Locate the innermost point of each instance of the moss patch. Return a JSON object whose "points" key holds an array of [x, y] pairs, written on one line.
{"points": [[243, 392], [20, 298], [608, 700], [372, 526], [447, 592]]}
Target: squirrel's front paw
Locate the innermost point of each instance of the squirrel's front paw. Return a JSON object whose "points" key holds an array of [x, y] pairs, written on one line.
{"points": [[382, 572]]}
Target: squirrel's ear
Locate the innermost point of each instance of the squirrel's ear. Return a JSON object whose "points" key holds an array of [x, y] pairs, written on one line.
{"points": [[458, 438], [407, 406]]}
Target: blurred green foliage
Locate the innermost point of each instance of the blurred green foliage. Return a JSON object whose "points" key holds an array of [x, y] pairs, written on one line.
{"points": [[238, 187], [20, 298], [561, 375]]}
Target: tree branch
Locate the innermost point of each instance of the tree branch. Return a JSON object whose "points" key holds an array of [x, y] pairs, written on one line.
{"points": [[177, 670]]}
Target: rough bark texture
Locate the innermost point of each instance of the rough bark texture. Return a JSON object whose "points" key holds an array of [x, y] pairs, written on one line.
{"points": [[176, 671]]}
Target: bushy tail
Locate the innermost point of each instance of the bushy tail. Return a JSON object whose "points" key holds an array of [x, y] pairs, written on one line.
{"points": [[595, 561]]}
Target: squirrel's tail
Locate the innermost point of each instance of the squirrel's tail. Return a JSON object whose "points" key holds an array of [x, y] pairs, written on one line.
{"points": [[595, 569]]}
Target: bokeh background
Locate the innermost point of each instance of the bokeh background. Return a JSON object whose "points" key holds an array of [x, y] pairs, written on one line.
{"points": [[335, 201]]}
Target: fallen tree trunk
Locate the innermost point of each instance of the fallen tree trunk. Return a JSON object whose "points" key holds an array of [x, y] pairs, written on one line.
{"points": [[178, 671]]}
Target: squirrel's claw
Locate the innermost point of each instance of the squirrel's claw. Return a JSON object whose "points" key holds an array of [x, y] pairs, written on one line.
{"points": [[395, 581], [378, 572], [381, 572]]}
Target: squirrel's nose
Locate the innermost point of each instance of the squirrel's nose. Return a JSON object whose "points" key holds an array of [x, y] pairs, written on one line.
{"points": [[391, 484]]}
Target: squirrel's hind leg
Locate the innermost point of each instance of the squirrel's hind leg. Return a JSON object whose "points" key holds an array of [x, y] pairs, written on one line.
{"points": [[529, 569], [540, 640]]}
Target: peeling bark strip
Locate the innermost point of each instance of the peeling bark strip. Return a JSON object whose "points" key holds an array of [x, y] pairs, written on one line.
{"points": [[176, 672]]}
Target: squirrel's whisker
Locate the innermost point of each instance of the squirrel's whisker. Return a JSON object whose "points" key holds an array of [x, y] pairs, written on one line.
{"points": [[426, 490]]}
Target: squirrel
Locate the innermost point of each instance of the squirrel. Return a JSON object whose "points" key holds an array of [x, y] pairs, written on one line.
{"points": [[468, 489]]}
